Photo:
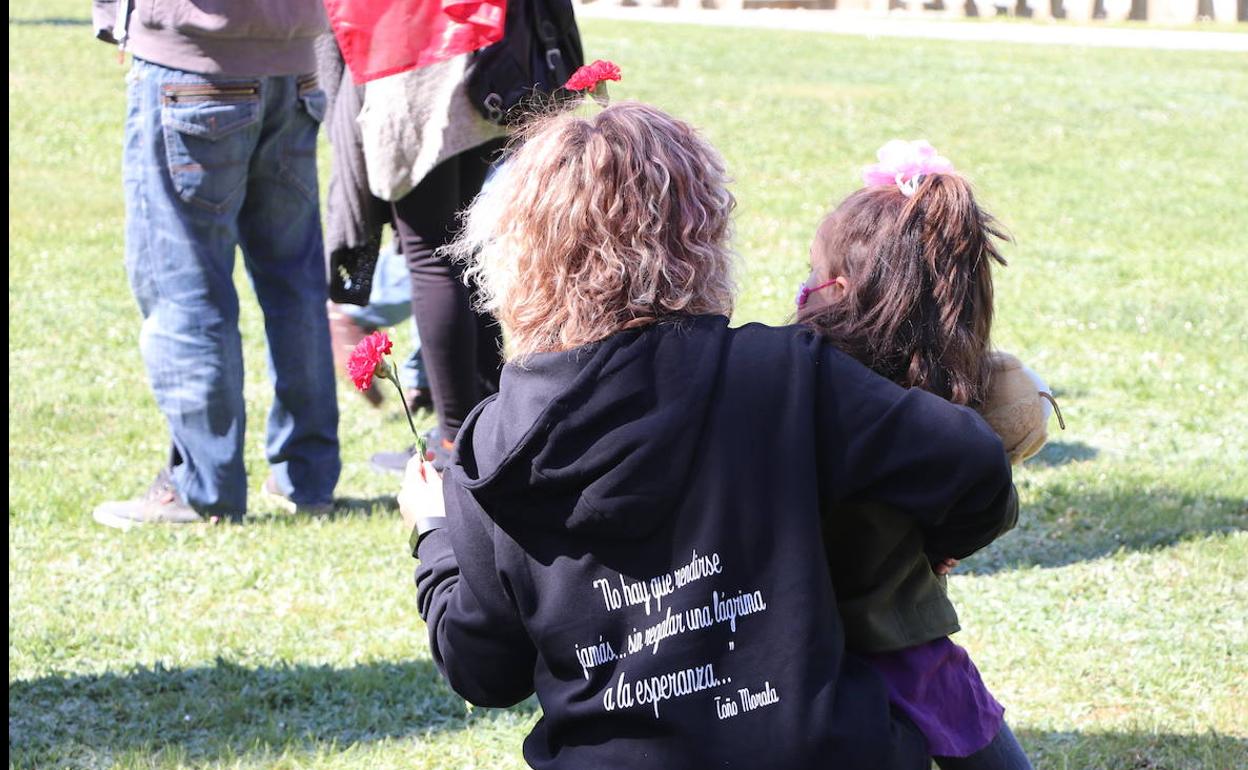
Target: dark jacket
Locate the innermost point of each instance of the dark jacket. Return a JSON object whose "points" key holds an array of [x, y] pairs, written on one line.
{"points": [[634, 533], [352, 215]]}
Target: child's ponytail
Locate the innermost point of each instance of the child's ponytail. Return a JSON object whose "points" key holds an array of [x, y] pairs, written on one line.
{"points": [[954, 239], [918, 308]]}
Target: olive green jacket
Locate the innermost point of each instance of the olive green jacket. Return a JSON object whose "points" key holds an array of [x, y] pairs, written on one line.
{"points": [[888, 596]]}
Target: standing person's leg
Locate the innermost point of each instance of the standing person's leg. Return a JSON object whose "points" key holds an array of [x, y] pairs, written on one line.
{"points": [[280, 233], [189, 139], [476, 166], [489, 351], [489, 331], [427, 219], [412, 375], [392, 292]]}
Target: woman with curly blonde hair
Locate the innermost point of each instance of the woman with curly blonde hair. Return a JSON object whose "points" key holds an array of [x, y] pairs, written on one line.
{"points": [[625, 217], [631, 527]]}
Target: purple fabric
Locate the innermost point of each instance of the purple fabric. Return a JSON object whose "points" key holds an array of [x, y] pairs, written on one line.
{"points": [[939, 688]]}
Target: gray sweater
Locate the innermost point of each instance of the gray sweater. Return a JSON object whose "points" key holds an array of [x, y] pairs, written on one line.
{"points": [[235, 38], [414, 120]]}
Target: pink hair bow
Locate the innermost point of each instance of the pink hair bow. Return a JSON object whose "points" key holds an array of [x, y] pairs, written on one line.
{"points": [[904, 164]]}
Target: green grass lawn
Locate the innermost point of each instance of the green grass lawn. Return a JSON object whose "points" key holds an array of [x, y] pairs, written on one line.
{"points": [[1113, 623]]}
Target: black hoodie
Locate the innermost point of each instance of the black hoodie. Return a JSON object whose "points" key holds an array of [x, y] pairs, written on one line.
{"points": [[634, 533]]}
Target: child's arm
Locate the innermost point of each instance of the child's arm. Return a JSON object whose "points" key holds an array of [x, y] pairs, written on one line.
{"points": [[933, 461]]}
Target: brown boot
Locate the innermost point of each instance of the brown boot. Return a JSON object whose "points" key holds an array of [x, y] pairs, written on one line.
{"points": [[344, 335]]}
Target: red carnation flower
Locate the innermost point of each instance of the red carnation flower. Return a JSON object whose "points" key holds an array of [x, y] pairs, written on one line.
{"points": [[366, 360], [588, 77]]}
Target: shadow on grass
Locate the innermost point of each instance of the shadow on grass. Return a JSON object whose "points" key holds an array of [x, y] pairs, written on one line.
{"points": [[1058, 453], [1133, 751], [386, 506], [232, 712], [365, 507], [49, 22], [226, 710], [1070, 524]]}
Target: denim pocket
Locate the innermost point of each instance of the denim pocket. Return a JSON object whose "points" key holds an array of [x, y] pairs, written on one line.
{"points": [[312, 98], [299, 147], [206, 144]]}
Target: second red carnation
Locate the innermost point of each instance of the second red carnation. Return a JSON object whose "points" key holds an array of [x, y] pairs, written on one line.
{"points": [[588, 77]]}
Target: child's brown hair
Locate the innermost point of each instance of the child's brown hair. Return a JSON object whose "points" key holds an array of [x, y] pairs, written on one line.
{"points": [[919, 301]]}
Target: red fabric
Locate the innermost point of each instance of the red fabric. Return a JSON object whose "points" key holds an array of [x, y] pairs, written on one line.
{"points": [[382, 37]]}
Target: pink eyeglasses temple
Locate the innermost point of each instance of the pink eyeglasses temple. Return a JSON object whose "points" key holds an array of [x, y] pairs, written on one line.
{"points": [[803, 294]]}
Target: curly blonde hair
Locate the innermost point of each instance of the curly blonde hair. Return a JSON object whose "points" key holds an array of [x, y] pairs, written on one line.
{"points": [[599, 223]]}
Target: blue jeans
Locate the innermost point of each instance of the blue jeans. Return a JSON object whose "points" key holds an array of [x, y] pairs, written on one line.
{"points": [[390, 304], [211, 164]]}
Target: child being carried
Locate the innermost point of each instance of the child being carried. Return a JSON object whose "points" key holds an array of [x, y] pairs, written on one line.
{"points": [[901, 280]]}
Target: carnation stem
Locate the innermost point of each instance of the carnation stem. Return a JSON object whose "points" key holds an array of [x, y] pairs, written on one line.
{"points": [[392, 375]]}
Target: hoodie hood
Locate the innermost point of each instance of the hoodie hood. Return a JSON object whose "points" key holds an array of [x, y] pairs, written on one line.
{"points": [[598, 440]]}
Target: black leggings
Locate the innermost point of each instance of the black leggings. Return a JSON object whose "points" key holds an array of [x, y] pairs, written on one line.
{"points": [[462, 349]]}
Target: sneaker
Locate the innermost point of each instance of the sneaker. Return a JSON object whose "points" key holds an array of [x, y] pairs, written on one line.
{"points": [[392, 462], [270, 491], [437, 452], [159, 505], [344, 335]]}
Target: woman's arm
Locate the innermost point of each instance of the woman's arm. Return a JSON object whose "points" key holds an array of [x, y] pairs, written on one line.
{"points": [[476, 638], [936, 462]]}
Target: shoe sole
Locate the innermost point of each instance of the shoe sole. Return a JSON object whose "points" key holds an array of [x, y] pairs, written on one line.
{"points": [[116, 522], [126, 524]]}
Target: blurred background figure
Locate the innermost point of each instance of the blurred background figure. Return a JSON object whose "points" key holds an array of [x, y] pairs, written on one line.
{"points": [[390, 304], [409, 150]]}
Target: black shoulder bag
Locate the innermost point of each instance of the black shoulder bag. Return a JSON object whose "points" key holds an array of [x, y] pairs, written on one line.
{"points": [[526, 70]]}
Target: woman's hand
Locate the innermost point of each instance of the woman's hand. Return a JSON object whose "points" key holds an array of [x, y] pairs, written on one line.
{"points": [[421, 493], [944, 566]]}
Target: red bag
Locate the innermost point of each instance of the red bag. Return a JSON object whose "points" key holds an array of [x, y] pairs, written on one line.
{"points": [[382, 37]]}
